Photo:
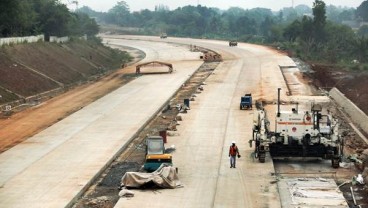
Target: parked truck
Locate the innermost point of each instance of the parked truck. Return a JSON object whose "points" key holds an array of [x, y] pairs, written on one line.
{"points": [[246, 101]]}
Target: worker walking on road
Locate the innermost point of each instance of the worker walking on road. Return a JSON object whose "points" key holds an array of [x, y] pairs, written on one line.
{"points": [[233, 152]]}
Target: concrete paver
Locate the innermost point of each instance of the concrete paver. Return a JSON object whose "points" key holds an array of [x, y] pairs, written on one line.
{"points": [[52, 167]]}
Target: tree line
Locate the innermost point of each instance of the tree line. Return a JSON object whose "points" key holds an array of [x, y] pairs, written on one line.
{"points": [[313, 33], [49, 17]]}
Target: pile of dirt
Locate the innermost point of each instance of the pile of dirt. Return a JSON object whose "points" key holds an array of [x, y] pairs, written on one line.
{"points": [[352, 83], [35, 68]]}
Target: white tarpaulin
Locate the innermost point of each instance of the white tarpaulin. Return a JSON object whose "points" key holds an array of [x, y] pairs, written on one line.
{"points": [[311, 192], [164, 177]]}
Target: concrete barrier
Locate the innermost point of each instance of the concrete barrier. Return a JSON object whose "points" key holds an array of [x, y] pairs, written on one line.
{"points": [[357, 116], [17, 40], [33, 39], [54, 39]]}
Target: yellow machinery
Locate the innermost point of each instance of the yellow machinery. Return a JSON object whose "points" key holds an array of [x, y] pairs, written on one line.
{"points": [[155, 154]]}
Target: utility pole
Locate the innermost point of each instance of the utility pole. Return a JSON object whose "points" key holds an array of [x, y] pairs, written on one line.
{"points": [[292, 3]]}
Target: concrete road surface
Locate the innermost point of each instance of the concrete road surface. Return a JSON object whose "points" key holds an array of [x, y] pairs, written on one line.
{"points": [[52, 167], [208, 129]]}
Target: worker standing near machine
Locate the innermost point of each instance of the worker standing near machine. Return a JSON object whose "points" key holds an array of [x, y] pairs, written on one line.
{"points": [[233, 152]]}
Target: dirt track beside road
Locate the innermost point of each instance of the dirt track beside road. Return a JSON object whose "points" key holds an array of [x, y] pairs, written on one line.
{"points": [[24, 124]]}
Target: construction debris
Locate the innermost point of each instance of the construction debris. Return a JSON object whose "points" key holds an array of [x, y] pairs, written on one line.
{"points": [[126, 193], [311, 192]]}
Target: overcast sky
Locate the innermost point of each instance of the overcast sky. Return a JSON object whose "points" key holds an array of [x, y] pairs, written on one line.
{"points": [[275, 5]]}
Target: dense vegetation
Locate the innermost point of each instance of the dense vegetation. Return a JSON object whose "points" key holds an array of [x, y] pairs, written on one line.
{"points": [[315, 33], [49, 17]]}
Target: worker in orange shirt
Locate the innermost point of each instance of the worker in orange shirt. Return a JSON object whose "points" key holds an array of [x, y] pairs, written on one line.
{"points": [[233, 152]]}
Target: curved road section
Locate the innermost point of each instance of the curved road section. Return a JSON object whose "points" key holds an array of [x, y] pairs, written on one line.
{"points": [[208, 129], [51, 168]]}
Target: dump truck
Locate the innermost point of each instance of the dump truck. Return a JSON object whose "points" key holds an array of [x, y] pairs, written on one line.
{"points": [[246, 101], [155, 154], [297, 134]]}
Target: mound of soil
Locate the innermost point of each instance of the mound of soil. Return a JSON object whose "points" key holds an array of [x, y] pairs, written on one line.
{"points": [[352, 83], [31, 69]]}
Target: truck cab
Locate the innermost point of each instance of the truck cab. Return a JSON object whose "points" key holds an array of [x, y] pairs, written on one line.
{"points": [[246, 101]]}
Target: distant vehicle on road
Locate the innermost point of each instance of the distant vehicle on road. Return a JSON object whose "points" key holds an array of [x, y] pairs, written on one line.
{"points": [[233, 43], [163, 35], [246, 101]]}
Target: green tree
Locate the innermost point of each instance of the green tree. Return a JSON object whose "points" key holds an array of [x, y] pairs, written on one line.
{"points": [[17, 18], [362, 11], [293, 31], [119, 14], [363, 31], [361, 49], [246, 25], [347, 15], [82, 24], [340, 42], [266, 25], [319, 20]]}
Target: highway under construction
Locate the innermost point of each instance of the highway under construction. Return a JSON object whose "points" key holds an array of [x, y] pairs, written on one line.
{"points": [[79, 161]]}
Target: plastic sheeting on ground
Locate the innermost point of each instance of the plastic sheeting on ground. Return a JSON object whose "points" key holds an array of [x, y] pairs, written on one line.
{"points": [[313, 192], [165, 177]]}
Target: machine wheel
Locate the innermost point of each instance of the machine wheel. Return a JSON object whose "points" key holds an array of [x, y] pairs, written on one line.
{"points": [[262, 157], [335, 162], [256, 152]]}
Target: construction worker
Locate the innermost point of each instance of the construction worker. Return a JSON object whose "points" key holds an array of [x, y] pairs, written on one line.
{"points": [[233, 152]]}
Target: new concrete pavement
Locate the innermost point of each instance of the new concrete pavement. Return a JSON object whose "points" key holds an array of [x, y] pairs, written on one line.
{"points": [[208, 129], [52, 167]]}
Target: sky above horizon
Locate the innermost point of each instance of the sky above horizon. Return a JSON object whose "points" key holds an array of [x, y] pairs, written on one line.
{"points": [[274, 5]]}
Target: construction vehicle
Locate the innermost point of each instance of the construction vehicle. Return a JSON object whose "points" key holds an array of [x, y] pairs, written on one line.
{"points": [[297, 134], [163, 35], [246, 101], [155, 154], [153, 64], [233, 43]]}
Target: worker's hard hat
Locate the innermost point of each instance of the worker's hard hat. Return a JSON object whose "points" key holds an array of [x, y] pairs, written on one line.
{"points": [[233, 142]]}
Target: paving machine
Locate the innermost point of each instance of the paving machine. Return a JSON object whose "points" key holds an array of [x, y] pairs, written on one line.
{"points": [[155, 154], [246, 101], [297, 134]]}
